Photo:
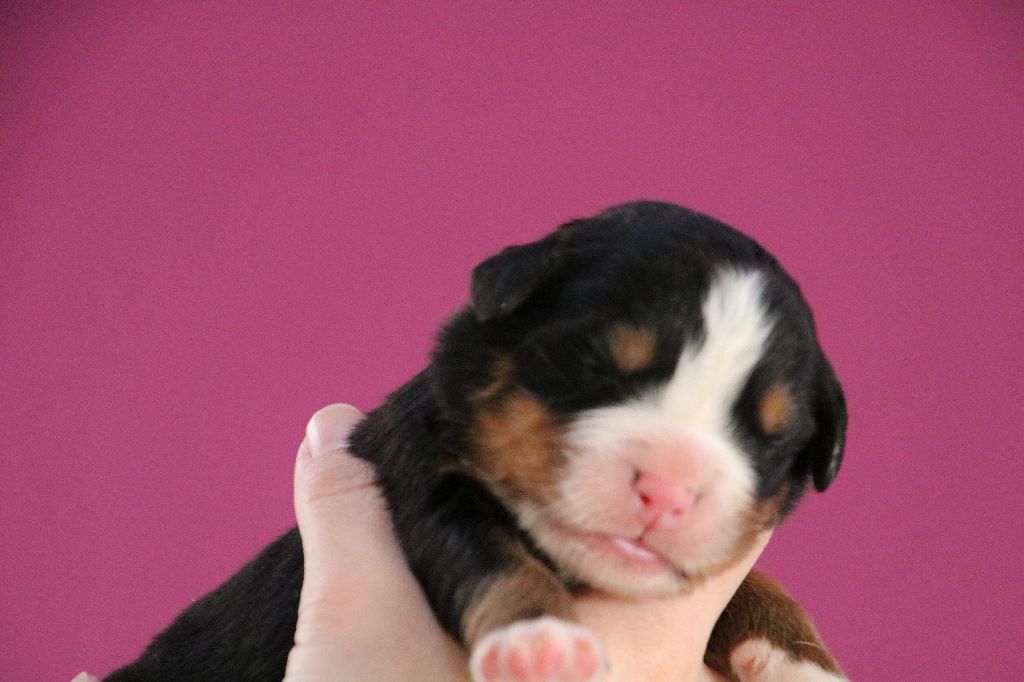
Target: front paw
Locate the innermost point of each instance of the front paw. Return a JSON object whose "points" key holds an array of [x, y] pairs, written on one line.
{"points": [[540, 650], [758, 660]]}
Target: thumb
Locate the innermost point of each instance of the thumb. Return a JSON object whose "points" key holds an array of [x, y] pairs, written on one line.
{"points": [[325, 473], [358, 597], [337, 505]]}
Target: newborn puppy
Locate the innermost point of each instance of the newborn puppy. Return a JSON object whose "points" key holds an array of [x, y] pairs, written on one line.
{"points": [[624, 405]]}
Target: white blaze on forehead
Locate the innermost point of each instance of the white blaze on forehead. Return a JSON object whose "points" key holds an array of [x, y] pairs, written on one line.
{"points": [[710, 375], [707, 380]]}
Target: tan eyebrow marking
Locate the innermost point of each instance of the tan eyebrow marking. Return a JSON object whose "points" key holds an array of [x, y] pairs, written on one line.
{"points": [[775, 409], [632, 347]]}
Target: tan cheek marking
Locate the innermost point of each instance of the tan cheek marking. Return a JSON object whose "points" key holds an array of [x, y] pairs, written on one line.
{"points": [[518, 446], [529, 591], [632, 347], [765, 514], [776, 409]]}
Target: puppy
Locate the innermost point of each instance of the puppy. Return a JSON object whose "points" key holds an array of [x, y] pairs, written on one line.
{"points": [[624, 405]]}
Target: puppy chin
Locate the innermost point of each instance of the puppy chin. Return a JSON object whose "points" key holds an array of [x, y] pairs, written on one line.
{"points": [[626, 583]]}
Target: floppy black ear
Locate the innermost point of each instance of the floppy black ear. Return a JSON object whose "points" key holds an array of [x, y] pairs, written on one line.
{"points": [[824, 453], [504, 281]]}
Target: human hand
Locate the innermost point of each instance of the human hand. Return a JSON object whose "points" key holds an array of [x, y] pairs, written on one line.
{"points": [[362, 615]]}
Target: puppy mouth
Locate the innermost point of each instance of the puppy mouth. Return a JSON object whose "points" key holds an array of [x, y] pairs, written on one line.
{"points": [[631, 552], [634, 549]]}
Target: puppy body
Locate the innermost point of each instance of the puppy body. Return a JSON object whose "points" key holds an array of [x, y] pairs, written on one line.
{"points": [[625, 405]]}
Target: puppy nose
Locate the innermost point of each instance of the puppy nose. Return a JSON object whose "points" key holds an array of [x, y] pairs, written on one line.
{"points": [[662, 502]]}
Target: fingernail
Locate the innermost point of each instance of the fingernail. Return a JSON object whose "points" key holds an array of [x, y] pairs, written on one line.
{"points": [[329, 428]]}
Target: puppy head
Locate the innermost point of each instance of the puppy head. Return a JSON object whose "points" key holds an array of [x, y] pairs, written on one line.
{"points": [[644, 390]]}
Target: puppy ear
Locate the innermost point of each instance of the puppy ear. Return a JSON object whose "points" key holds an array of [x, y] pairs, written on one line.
{"points": [[504, 281], [824, 453]]}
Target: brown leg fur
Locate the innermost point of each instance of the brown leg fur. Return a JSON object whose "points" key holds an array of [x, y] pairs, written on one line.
{"points": [[528, 591], [761, 608]]}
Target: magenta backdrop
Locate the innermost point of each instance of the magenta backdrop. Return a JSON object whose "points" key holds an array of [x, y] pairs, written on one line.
{"points": [[216, 219]]}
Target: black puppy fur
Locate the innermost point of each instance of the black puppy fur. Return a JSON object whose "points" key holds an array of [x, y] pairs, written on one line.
{"points": [[535, 328]]}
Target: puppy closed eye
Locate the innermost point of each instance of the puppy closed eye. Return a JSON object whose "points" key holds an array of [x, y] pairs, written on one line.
{"points": [[569, 369], [573, 357]]}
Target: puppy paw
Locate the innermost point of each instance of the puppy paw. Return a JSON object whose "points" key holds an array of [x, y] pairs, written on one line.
{"points": [[758, 660], [541, 650]]}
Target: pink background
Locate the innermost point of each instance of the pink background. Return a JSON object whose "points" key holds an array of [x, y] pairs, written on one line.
{"points": [[217, 219]]}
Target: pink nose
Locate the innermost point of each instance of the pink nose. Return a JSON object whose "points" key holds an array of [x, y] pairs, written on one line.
{"points": [[662, 502]]}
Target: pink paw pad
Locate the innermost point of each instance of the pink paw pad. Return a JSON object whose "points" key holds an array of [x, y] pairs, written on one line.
{"points": [[541, 650]]}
